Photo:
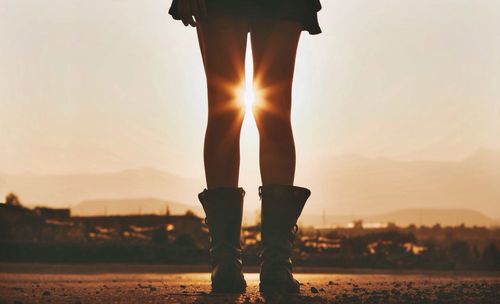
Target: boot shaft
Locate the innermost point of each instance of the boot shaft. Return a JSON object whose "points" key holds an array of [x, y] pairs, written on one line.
{"points": [[281, 208], [224, 211]]}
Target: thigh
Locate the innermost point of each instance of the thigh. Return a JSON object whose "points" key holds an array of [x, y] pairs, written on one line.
{"points": [[222, 42], [274, 48]]}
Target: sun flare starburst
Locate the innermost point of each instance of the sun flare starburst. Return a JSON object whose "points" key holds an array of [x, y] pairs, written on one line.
{"points": [[249, 97]]}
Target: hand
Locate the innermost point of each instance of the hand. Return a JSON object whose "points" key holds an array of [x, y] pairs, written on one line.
{"points": [[191, 8]]}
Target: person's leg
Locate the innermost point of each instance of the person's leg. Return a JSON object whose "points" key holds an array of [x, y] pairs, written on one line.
{"points": [[274, 46], [223, 44]]}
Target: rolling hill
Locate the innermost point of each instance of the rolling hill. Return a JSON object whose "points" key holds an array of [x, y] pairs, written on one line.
{"points": [[67, 190], [367, 186]]}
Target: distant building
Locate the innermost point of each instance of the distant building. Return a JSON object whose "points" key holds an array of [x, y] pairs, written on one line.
{"points": [[9, 213], [16, 222], [53, 213]]}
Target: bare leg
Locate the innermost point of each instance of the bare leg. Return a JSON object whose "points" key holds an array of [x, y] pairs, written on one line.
{"points": [[223, 44], [274, 47]]}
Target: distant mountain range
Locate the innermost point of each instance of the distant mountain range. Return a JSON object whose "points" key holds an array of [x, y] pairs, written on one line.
{"points": [[367, 186], [68, 190], [344, 188]]}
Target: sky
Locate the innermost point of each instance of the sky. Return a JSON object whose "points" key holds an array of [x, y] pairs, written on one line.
{"points": [[107, 85]]}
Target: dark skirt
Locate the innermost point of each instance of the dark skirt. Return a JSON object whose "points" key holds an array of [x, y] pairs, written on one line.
{"points": [[303, 11]]}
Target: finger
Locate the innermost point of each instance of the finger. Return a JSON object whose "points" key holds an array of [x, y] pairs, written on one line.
{"points": [[194, 9], [188, 17], [190, 12], [182, 11], [202, 8]]}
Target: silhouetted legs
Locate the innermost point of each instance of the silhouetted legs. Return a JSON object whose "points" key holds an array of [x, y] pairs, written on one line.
{"points": [[274, 44], [223, 44], [274, 47]]}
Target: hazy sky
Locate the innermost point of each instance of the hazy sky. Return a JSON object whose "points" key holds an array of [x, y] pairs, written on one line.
{"points": [[103, 85]]}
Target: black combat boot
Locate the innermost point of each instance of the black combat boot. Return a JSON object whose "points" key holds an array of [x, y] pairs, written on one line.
{"points": [[281, 207], [224, 208]]}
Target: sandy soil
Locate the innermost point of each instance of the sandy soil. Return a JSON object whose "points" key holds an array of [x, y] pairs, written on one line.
{"points": [[160, 284]]}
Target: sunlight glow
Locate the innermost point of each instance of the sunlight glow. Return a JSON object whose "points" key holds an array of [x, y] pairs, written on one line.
{"points": [[249, 89], [249, 97]]}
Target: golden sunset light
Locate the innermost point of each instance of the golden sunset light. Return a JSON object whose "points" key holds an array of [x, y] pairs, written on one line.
{"points": [[379, 90], [249, 151], [249, 94]]}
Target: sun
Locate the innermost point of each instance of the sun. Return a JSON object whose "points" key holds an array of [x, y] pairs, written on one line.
{"points": [[246, 93], [249, 96]]}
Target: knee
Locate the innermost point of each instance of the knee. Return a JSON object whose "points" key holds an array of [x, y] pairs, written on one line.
{"points": [[272, 123], [225, 109], [226, 118]]}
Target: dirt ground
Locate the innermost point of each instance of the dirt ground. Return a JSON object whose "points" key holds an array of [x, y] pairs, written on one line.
{"points": [[159, 284]]}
